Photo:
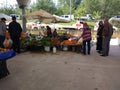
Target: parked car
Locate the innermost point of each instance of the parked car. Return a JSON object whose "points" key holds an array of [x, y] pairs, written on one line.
{"points": [[115, 20], [78, 25], [36, 25], [68, 17], [87, 17], [116, 17]]}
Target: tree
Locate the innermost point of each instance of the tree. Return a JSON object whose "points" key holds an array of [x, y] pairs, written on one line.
{"points": [[99, 8], [65, 5], [10, 10], [46, 5], [110, 8]]}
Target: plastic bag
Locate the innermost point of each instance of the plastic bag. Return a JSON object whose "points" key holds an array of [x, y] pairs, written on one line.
{"points": [[7, 43], [80, 41]]}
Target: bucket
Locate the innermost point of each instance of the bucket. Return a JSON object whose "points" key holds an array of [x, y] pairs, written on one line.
{"points": [[65, 48], [47, 48], [54, 49]]}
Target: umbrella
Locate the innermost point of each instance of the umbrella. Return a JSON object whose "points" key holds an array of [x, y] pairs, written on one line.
{"points": [[42, 15], [5, 16]]}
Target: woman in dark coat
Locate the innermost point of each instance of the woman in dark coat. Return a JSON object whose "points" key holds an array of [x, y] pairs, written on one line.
{"points": [[99, 37]]}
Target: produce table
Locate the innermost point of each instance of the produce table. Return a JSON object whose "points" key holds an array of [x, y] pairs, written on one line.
{"points": [[73, 47], [4, 56]]}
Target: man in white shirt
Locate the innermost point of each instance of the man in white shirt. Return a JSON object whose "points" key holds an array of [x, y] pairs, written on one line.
{"points": [[2, 31]]}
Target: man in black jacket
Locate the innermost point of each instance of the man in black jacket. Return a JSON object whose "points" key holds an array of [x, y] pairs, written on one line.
{"points": [[15, 32]]}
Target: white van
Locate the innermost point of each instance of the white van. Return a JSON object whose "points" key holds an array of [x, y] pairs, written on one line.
{"points": [[16, 15]]}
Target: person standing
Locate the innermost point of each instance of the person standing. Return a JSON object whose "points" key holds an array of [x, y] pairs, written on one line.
{"points": [[99, 37], [49, 32], [107, 34], [55, 34], [2, 31], [86, 36], [15, 33]]}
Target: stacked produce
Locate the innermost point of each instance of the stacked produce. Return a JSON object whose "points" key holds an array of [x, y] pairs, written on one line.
{"points": [[41, 41], [55, 41], [69, 42], [3, 50]]}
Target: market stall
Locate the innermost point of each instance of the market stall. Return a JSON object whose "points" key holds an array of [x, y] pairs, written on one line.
{"points": [[65, 42], [5, 54]]}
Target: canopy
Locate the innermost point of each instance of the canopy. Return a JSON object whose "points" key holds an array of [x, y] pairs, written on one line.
{"points": [[42, 15], [5, 16]]}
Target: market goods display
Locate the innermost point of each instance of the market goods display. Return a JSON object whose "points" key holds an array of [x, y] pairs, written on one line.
{"points": [[3, 50], [23, 35], [69, 42], [46, 41], [55, 41], [35, 43]]}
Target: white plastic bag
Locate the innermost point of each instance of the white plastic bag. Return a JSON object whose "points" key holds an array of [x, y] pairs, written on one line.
{"points": [[80, 41], [7, 43]]}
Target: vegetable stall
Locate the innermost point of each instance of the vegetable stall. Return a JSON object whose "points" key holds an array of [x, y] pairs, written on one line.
{"points": [[65, 42]]}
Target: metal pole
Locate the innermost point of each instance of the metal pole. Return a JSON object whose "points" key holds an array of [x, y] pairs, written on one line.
{"points": [[23, 19], [70, 9]]}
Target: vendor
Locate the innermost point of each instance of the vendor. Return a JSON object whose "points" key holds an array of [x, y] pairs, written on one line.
{"points": [[55, 34], [49, 33]]}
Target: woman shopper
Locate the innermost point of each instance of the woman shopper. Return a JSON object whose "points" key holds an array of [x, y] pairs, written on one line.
{"points": [[86, 36], [99, 37]]}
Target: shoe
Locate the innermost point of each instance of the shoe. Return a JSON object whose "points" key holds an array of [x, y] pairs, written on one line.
{"points": [[88, 53], [103, 55], [99, 52], [84, 53]]}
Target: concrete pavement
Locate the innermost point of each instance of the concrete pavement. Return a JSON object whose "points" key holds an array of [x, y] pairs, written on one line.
{"points": [[63, 71]]}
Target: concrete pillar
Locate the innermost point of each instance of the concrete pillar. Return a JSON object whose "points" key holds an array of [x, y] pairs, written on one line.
{"points": [[23, 19]]}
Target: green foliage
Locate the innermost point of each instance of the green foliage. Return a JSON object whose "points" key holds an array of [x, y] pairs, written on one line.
{"points": [[110, 8], [46, 5], [91, 25], [65, 5], [97, 14], [98, 8], [80, 11], [46, 41]]}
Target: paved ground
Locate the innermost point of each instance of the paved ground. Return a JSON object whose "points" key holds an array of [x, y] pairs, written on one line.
{"points": [[63, 71]]}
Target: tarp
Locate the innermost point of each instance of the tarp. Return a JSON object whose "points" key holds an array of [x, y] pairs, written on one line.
{"points": [[7, 55], [42, 15]]}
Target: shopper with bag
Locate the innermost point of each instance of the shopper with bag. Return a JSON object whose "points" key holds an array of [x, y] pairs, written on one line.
{"points": [[15, 33], [86, 37]]}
